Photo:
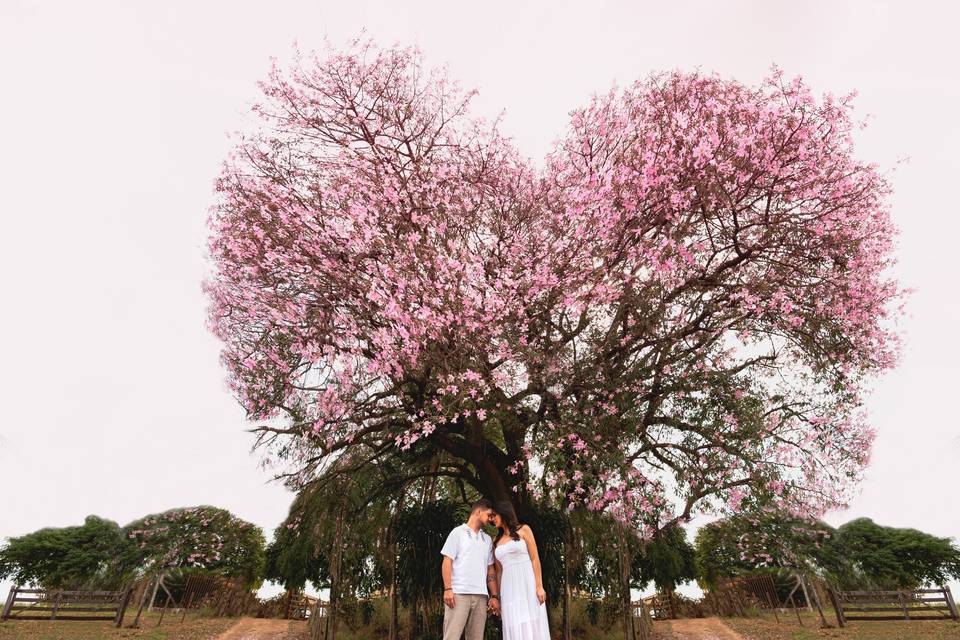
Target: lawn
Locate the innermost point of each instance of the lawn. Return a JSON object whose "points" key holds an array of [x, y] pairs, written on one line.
{"points": [[767, 628], [193, 628]]}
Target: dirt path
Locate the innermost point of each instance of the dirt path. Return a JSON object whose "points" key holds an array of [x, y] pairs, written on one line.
{"points": [[257, 629], [702, 629]]}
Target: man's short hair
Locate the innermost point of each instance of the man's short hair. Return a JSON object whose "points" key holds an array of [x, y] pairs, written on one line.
{"points": [[482, 503]]}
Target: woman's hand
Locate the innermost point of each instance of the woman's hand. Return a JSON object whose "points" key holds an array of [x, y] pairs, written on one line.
{"points": [[541, 595]]}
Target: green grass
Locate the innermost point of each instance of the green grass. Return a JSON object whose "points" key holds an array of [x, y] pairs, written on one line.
{"points": [[193, 628]]}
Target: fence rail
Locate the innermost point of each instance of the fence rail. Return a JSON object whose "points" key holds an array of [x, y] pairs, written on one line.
{"points": [[919, 604], [41, 604]]}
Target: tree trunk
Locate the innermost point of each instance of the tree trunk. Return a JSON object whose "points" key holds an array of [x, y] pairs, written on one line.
{"points": [[491, 478], [430, 486], [425, 617], [328, 629], [414, 618], [622, 556], [333, 618], [567, 591], [394, 631]]}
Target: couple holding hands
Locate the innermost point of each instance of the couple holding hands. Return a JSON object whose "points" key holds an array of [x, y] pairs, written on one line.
{"points": [[501, 576]]}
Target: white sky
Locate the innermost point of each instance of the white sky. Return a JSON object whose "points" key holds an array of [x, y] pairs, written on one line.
{"points": [[113, 117]]}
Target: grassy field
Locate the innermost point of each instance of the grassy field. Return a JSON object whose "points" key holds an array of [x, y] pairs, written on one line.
{"points": [[767, 628], [193, 628]]}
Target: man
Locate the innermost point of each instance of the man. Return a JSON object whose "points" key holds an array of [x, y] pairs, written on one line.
{"points": [[469, 577]]}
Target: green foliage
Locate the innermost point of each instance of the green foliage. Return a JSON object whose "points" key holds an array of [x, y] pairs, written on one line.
{"points": [[357, 613], [865, 553], [668, 561], [420, 534], [302, 543], [594, 563], [859, 555], [201, 537], [603, 613], [549, 526], [297, 553], [101, 555], [336, 516], [95, 555]]}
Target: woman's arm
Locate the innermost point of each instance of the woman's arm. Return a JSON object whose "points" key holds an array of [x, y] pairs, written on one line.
{"points": [[498, 571], [527, 534]]}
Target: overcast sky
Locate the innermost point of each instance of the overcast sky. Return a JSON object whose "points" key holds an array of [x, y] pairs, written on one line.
{"points": [[113, 121]]}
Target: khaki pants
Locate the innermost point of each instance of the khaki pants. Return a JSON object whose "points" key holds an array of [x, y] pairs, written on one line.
{"points": [[469, 613]]}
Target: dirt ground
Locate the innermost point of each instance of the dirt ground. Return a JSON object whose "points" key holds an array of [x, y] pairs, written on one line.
{"points": [[701, 629], [263, 629]]}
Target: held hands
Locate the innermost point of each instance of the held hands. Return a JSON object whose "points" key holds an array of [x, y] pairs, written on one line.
{"points": [[541, 595], [493, 606], [449, 599]]}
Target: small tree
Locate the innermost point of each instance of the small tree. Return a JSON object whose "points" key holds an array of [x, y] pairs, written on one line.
{"points": [[859, 555], [95, 555], [667, 560], [760, 540], [863, 553], [200, 537]]}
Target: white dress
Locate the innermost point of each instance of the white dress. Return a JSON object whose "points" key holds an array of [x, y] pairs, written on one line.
{"points": [[524, 618]]}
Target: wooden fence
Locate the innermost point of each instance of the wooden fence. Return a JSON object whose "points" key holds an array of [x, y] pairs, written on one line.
{"points": [[660, 606], [757, 591], [669, 605], [740, 596], [920, 604], [299, 606], [735, 597], [40, 604], [641, 621]]}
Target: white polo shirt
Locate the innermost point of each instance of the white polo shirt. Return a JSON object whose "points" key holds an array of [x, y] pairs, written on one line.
{"points": [[471, 553]]}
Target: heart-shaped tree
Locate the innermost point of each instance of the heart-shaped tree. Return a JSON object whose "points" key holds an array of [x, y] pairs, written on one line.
{"points": [[679, 310]]}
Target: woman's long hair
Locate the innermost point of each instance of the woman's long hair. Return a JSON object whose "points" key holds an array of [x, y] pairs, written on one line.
{"points": [[504, 509]]}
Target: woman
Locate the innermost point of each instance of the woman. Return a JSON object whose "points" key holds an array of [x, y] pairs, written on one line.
{"points": [[521, 591]]}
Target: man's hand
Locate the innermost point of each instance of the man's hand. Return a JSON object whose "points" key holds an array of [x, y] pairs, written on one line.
{"points": [[493, 606], [449, 599]]}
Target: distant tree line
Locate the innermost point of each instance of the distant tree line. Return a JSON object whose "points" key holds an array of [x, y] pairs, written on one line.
{"points": [[860, 554], [100, 554], [360, 543]]}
